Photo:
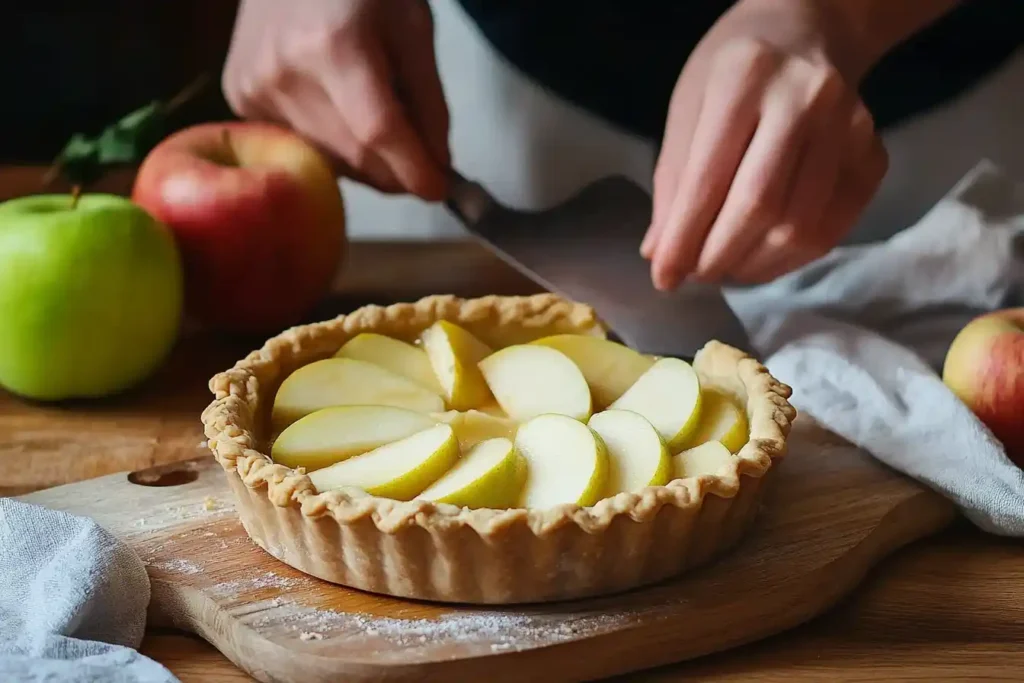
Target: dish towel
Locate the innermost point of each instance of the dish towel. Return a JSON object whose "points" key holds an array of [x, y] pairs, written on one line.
{"points": [[72, 601], [859, 336]]}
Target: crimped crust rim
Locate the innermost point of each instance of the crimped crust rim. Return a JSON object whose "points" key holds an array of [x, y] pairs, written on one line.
{"points": [[230, 420]]}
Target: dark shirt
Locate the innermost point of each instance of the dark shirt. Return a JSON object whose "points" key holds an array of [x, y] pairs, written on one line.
{"points": [[69, 66], [620, 59]]}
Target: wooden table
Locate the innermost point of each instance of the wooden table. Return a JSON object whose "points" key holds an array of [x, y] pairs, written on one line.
{"points": [[945, 609]]}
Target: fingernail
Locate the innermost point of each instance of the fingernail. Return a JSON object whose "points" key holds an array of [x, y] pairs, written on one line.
{"points": [[665, 281], [646, 245]]}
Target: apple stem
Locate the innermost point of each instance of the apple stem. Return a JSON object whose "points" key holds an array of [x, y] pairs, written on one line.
{"points": [[225, 136], [187, 93], [76, 194]]}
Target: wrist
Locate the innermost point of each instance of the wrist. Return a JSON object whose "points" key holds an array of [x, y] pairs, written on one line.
{"points": [[871, 28]]}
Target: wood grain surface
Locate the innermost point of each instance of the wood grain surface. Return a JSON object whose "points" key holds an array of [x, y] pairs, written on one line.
{"points": [[831, 514], [948, 608], [944, 609]]}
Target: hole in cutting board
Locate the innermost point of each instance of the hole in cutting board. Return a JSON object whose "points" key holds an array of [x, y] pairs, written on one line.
{"points": [[159, 476]]}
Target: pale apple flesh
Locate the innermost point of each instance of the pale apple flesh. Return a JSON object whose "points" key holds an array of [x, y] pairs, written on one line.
{"points": [[490, 475], [566, 462], [391, 354], [984, 367], [334, 434], [400, 470], [454, 354], [609, 368], [637, 455], [529, 380], [708, 459], [344, 381], [259, 218], [669, 396], [721, 419], [474, 426]]}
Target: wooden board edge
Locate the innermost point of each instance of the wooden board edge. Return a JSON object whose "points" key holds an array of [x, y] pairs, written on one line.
{"points": [[665, 640]]}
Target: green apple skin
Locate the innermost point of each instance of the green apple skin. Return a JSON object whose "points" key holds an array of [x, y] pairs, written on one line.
{"points": [[90, 296]]}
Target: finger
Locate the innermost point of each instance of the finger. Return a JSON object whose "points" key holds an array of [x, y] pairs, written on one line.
{"points": [[361, 89], [862, 171], [308, 110], [817, 173], [681, 120], [794, 111], [794, 243], [778, 254], [726, 123], [418, 80]]}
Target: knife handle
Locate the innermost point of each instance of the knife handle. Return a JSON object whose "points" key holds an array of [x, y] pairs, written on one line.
{"points": [[467, 199]]}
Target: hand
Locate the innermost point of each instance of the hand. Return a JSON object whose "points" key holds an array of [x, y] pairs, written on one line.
{"points": [[769, 156], [356, 77]]}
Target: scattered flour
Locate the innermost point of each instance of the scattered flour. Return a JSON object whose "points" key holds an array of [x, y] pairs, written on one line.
{"points": [[311, 635], [179, 566], [497, 631], [265, 580]]}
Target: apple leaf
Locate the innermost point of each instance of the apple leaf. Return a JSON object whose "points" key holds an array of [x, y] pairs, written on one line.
{"points": [[127, 141]]}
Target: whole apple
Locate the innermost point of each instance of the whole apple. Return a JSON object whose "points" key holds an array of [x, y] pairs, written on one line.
{"points": [[258, 216], [984, 367], [90, 295]]}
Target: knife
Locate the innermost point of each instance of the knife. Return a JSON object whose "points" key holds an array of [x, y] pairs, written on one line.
{"points": [[588, 249]]}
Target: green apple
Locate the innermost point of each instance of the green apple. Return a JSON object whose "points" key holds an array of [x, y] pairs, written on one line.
{"points": [[491, 475], [609, 368], [668, 395], [334, 434], [399, 470], [529, 380], [394, 355], [637, 455], [566, 462], [345, 382], [90, 295], [721, 419], [454, 354], [708, 458]]}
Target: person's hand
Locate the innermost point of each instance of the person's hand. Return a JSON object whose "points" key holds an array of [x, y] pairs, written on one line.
{"points": [[769, 156], [356, 77]]}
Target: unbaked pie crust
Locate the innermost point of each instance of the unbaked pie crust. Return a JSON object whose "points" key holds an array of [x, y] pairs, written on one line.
{"points": [[440, 552]]}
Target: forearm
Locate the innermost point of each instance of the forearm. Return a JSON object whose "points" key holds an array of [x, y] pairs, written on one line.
{"points": [[880, 25]]}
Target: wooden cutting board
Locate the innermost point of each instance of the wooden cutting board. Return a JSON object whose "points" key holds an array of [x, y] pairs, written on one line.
{"points": [[832, 514]]}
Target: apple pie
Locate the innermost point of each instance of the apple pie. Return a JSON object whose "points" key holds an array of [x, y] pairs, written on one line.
{"points": [[493, 450]]}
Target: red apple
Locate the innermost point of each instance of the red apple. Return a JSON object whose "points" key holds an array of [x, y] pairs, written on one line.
{"points": [[985, 368], [258, 217]]}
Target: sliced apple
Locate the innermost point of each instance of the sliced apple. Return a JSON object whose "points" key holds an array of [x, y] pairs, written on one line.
{"points": [[566, 462], [637, 455], [668, 395], [344, 381], [609, 368], [335, 434], [529, 380], [394, 355], [708, 458], [721, 419], [454, 354], [491, 475], [474, 426], [399, 470]]}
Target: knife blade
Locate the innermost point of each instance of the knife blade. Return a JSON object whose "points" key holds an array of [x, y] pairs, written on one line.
{"points": [[587, 249]]}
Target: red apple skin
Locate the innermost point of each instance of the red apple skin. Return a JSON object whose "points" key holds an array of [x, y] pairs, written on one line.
{"points": [[258, 216], [984, 367]]}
